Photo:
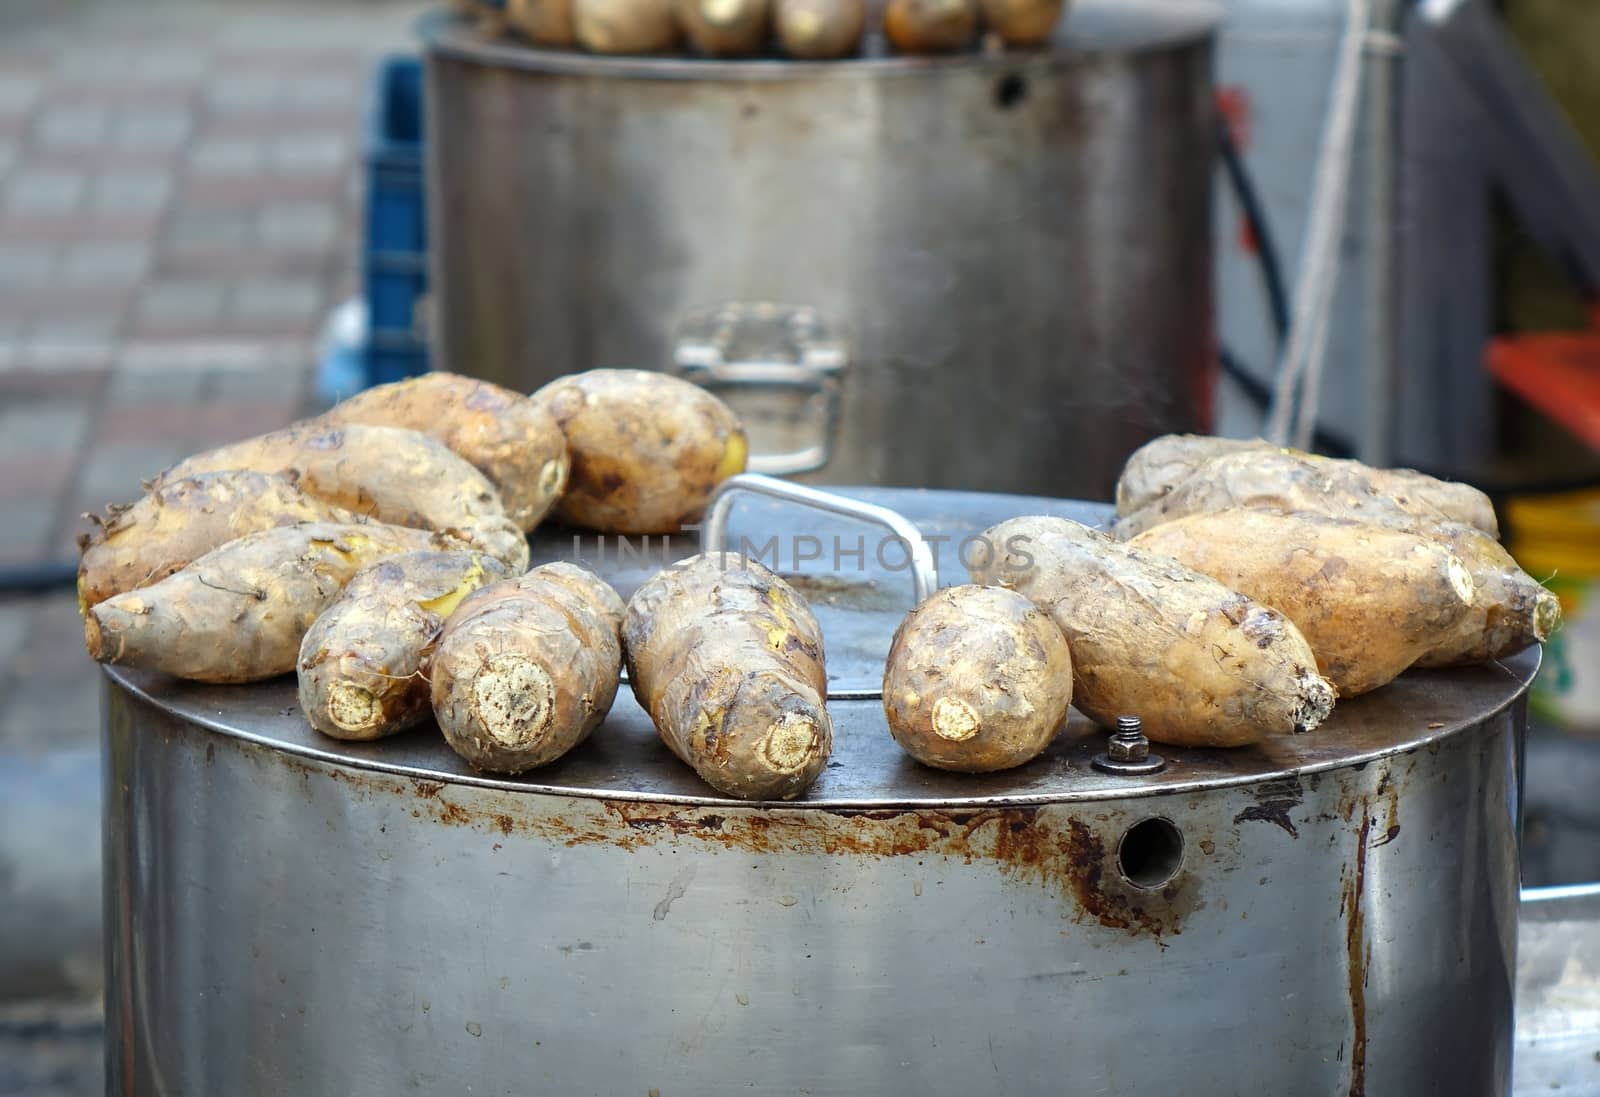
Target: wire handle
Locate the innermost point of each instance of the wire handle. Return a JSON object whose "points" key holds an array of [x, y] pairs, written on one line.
{"points": [[714, 530]]}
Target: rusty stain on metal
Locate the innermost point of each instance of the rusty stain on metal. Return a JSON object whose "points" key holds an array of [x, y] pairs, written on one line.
{"points": [[1356, 959], [1275, 812], [1026, 844], [1274, 801]]}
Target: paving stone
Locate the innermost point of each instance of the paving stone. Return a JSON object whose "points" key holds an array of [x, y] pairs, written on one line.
{"points": [[329, 92], [15, 624], [227, 157], [310, 154], [18, 94], [113, 473], [201, 229], [53, 711], [8, 156], [299, 226], [245, 92], [34, 426], [153, 129], [131, 191], [167, 387], [277, 299], [105, 263], [185, 301], [27, 265], [282, 383], [26, 527], [42, 191], [72, 127]]}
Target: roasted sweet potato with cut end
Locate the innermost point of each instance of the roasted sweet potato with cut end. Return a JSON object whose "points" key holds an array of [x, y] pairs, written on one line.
{"points": [[1022, 22], [528, 667], [1370, 600], [394, 475], [504, 434], [179, 522], [543, 22], [727, 659], [625, 26], [1510, 610], [930, 26], [363, 667], [647, 449], [978, 679], [819, 30], [725, 28], [1161, 465], [1202, 665], [238, 613]]}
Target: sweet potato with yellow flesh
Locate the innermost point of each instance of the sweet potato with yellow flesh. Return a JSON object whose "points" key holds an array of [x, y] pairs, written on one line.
{"points": [[394, 475], [1370, 600], [504, 434], [179, 522], [727, 659], [1202, 665], [647, 449], [819, 30], [526, 668], [1510, 609], [238, 613], [930, 26], [978, 679], [543, 22], [1278, 480], [1161, 465], [725, 28], [363, 667]]}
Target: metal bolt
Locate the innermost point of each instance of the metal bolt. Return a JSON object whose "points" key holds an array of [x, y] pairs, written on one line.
{"points": [[1128, 752]]}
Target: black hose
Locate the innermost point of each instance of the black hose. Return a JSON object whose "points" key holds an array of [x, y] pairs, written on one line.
{"points": [[37, 577], [1259, 393], [1244, 189]]}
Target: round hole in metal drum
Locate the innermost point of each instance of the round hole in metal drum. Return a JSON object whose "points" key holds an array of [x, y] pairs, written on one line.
{"points": [[1011, 90], [1150, 853]]}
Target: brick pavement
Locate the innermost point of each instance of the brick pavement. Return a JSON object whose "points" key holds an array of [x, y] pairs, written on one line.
{"points": [[179, 211]]}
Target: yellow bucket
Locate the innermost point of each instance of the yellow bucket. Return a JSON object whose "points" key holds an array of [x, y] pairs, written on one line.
{"points": [[1556, 539]]}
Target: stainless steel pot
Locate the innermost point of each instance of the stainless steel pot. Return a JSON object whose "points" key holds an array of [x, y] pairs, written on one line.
{"points": [[969, 254], [1329, 914]]}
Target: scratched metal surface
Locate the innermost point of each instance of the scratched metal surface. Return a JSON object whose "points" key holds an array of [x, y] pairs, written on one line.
{"points": [[858, 611]]}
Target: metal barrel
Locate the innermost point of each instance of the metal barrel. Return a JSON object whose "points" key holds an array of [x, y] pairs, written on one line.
{"points": [[1010, 246]]}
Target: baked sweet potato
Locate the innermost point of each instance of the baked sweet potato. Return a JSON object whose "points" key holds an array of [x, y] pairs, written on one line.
{"points": [[1510, 609], [647, 449], [238, 613], [819, 30], [1370, 600], [526, 668], [543, 22], [505, 435], [1022, 22], [725, 28], [1202, 665], [978, 679], [727, 659], [930, 26], [363, 666], [625, 26], [394, 475], [1161, 465], [1278, 480], [179, 522]]}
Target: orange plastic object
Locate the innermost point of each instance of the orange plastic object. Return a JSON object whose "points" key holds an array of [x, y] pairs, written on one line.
{"points": [[1556, 372]]}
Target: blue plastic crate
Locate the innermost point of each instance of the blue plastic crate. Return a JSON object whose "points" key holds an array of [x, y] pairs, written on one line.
{"points": [[395, 266]]}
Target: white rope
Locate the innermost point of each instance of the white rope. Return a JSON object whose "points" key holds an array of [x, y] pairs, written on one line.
{"points": [[1306, 348]]}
